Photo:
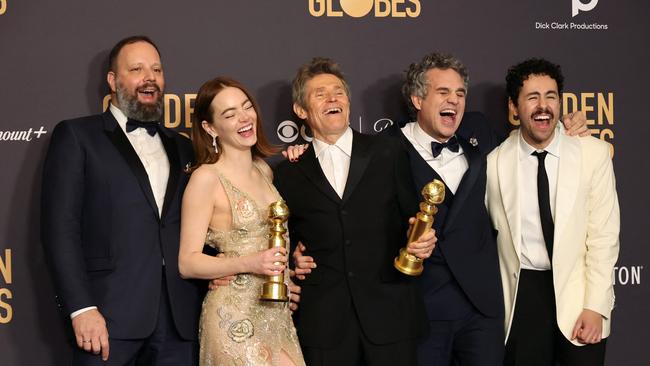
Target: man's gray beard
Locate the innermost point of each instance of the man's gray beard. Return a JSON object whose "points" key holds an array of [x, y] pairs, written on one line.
{"points": [[133, 109]]}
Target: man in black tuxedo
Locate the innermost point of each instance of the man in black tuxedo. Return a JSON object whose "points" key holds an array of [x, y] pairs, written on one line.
{"points": [[112, 186], [350, 198]]}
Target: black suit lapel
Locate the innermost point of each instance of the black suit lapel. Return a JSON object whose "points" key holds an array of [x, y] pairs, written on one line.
{"points": [[309, 165], [474, 158], [174, 168], [423, 173], [122, 144], [358, 162]]}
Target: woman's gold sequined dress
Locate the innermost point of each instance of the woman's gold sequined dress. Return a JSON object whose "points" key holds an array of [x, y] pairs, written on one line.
{"points": [[236, 328]]}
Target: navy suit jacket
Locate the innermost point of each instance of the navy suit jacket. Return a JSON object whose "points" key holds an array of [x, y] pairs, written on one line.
{"points": [[103, 238], [466, 250], [354, 240]]}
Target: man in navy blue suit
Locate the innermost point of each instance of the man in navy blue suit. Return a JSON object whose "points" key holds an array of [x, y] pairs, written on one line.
{"points": [[112, 186], [460, 284]]}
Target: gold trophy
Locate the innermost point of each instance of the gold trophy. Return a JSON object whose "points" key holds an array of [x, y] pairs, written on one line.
{"points": [[275, 289], [433, 193]]}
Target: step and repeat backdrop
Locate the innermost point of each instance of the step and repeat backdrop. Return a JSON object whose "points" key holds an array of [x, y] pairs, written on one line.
{"points": [[53, 67]]}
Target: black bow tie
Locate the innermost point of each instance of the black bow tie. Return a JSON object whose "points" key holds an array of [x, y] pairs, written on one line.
{"points": [[451, 144], [151, 127]]}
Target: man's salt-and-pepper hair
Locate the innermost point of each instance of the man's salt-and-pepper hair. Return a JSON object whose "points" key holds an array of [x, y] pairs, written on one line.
{"points": [[317, 66], [416, 82]]}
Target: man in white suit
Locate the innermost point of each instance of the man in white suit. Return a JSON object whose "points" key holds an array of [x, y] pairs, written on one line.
{"points": [[553, 200]]}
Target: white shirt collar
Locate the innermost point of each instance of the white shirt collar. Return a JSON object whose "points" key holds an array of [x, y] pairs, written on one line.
{"points": [[422, 137], [119, 116], [344, 143], [553, 148], [417, 135]]}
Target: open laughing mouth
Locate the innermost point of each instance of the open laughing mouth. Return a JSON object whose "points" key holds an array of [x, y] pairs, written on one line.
{"points": [[149, 92], [542, 119], [246, 131], [335, 110], [448, 114]]}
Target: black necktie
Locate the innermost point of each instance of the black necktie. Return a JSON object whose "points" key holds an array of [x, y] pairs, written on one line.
{"points": [[151, 127], [451, 144], [544, 203]]}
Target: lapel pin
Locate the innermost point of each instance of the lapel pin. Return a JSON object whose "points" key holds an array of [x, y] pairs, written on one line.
{"points": [[473, 141]]}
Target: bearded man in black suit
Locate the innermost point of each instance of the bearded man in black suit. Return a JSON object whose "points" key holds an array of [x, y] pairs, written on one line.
{"points": [[112, 186]]}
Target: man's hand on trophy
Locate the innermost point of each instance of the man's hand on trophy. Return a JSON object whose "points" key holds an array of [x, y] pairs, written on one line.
{"points": [[293, 152], [304, 263], [424, 245], [223, 281]]}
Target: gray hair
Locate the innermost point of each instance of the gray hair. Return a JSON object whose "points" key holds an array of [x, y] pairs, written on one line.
{"points": [[416, 82], [317, 66]]}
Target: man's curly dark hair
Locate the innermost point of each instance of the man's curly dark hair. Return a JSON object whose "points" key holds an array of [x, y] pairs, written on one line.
{"points": [[520, 72]]}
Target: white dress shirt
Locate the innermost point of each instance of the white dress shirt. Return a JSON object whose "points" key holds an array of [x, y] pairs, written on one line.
{"points": [[534, 254], [152, 154], [335, 160], [451, 166]]}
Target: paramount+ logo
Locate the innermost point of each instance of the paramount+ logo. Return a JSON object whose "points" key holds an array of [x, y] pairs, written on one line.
{"points": [[361, 8]]}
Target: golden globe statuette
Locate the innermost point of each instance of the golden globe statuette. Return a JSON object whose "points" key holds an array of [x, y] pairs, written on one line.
{"points": [[433, 193], [275, 289]]}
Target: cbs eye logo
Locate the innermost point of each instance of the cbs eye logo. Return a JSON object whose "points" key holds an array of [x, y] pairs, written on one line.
{"points": [[288, 132], [360, 8], [3, 6]]}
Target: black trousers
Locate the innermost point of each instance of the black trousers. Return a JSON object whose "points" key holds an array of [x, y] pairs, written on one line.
{"points": [[473, 341], [535, 339], [355, 349], [164, 347]]}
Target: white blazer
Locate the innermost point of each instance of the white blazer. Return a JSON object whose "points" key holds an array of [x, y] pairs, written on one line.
{"points": [[586, 244]]}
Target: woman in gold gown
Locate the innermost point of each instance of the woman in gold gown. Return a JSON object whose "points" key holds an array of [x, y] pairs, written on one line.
{"points": [[225, 205]]}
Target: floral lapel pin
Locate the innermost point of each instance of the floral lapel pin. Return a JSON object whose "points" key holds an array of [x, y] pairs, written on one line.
{"points": [[473, 141]]}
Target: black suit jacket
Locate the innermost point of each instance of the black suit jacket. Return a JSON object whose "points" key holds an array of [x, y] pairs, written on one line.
{"points": [[102, 235], [354, 241], [466, 250]]}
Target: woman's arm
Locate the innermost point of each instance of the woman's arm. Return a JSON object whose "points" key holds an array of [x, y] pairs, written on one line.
{"points": [[203, 195]]}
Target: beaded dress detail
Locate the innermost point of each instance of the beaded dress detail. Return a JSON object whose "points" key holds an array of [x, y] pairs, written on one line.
{"points": [[236, 327]]}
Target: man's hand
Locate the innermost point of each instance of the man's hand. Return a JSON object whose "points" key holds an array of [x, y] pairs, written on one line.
{"points": [[304, 263], [293, 152], [576, 124], [588, 328], [91, 332], [424, 245], [223, 281], [294, 296]]}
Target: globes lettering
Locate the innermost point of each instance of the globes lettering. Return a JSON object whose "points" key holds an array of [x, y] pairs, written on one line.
{"points": [[361, 8]]}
